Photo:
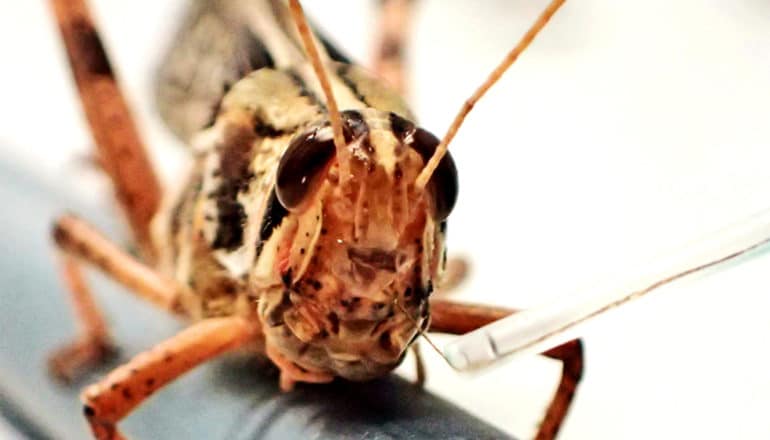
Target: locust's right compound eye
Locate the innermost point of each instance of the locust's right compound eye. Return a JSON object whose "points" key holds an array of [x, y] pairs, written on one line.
{"points": [[442, 186]]}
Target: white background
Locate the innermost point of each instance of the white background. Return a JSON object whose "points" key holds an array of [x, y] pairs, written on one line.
{"points": [[626, 129]]}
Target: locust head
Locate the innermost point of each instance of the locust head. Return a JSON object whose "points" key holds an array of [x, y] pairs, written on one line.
{"points": [[374, 221], [367, 244]]}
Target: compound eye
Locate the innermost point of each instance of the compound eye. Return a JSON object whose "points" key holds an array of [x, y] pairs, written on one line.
{"points": [[443, 184], [302, 167]]}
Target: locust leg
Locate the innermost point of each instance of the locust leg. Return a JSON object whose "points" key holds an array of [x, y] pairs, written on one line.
{"points": [[93, 345], [120, 149], [457, 318], [114, 397], [78, 243], [292, 373], [395, 18]]}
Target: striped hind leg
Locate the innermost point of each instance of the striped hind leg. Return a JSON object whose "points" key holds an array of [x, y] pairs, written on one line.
{"points": [[457, 318], [120, 150]]}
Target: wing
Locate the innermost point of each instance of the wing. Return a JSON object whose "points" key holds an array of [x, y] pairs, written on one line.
{"points": [[214, 47]]}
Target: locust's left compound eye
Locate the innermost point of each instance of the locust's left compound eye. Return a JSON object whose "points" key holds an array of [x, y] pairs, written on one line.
{"points": [[302, 167], [442, 186]]}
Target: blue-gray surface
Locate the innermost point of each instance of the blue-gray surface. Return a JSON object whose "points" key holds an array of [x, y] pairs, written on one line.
{"points": [[232, 398]]}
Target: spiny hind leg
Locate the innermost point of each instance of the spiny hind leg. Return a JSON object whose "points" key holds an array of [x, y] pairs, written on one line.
{"points": [[571, 356], [120, 149], [78, 242], [113, 398], [395, 23], [457, 318]]}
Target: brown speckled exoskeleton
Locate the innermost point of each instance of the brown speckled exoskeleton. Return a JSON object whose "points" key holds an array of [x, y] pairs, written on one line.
{"points": [[311, 235]]}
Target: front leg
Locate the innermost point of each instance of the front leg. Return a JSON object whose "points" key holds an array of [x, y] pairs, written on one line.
{"points": [[456, 318], [78, 242], [93, 344], [113, 398]]}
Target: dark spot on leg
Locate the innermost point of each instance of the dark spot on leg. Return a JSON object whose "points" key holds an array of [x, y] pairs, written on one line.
{"points": [[88, 47]]}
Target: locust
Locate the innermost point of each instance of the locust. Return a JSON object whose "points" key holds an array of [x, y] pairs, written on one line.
{"points": [[311, 228]]}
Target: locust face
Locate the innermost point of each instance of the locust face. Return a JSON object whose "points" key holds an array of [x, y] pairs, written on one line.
{"points": [[358, 286]]}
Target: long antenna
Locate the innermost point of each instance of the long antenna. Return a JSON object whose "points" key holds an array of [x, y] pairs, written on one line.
{"points": [[441, 149], [307, 40], [549, 325]]}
